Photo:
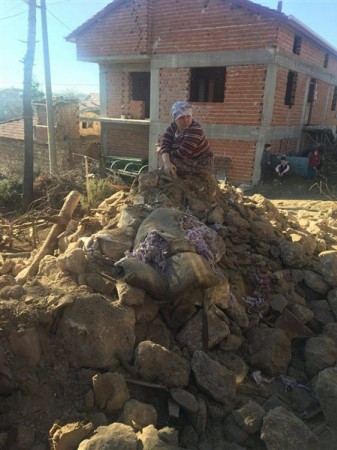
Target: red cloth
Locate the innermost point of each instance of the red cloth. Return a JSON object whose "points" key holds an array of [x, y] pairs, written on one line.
{"points": [[314, 160]]}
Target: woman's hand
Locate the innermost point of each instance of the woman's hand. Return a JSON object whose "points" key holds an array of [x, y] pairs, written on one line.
{"points": [[170, 169]]}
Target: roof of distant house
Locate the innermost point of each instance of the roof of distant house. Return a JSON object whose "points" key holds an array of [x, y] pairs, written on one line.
{"points": [[91, 103], [14, 128], [254, 7]]}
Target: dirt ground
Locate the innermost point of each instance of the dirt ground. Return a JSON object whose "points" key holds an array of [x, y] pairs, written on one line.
{"points": [[296, 193]]}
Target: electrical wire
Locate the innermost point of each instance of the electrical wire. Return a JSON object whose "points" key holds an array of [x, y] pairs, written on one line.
{"points": [[59, 20], [14, 15]]}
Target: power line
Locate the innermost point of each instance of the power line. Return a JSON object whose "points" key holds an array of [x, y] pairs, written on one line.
{"points": [[59, 20], [14, 15], [13, 7]]}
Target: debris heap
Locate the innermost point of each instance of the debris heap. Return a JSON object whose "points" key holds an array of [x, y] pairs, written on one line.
{"points": [[181, 314]]}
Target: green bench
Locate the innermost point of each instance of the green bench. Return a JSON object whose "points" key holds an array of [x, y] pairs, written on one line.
{"points": [[125, 165]]}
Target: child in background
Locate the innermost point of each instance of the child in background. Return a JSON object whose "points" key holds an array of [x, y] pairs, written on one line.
{"points": [[313, 164], [282, 168]]}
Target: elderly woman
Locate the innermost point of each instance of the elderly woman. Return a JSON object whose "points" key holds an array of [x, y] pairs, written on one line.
{"points": [[184, 147]]}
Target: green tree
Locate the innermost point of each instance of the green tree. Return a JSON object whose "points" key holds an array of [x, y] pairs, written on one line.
{"points": [[37, 92]]}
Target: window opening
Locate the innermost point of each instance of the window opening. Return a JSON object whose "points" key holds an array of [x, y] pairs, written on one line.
{"points": [[208, 84], [326, 60], [140, 89], [312, 90], [334, 100], [297, 44], [289, 98], [87, 125]]}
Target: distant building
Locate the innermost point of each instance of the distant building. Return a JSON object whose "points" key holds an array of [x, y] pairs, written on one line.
{"points": [[89, 109], [10, 104], [70, 145], [253, 75]]}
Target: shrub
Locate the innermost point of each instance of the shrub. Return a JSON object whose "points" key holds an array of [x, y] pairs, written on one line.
{"points": [[10, 194]]}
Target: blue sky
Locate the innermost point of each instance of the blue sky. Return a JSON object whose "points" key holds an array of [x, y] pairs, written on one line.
{"points": [[64, 16]]}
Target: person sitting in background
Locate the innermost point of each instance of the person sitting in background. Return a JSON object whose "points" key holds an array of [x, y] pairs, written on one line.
{"points": [[282, 168], [266, 164], [184, 147], [313, 164]]}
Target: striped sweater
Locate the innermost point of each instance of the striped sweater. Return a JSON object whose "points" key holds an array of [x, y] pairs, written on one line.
{"points": [[191, 147]]}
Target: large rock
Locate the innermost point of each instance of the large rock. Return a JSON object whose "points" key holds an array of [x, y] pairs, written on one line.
{"points": [[270, 350], [73, 261], [307, 242], [328, 261], [326, 392], [191, 336], [164, 439], [116, 436], [282, 430], [218, 295], [212, 377], [249, 417], [315, 282], [110, 390], [129, 295], [97, 333], [68, 436], [292, 254], [156, 363], [138, 414], [262, 229], [332, 299], [322, 311], [320, 353]]}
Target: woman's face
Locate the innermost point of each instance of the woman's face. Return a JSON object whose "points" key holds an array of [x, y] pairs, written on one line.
{"points": [[183, 122]]}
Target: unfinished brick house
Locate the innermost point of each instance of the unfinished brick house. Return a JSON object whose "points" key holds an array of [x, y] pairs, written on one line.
{"points": [[253, 75]]}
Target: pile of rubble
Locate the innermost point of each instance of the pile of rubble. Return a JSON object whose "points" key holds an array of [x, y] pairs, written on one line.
{"points": [[181, 314]]}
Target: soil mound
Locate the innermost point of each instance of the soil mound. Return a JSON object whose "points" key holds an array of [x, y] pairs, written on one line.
{"points": [[180, 314]]}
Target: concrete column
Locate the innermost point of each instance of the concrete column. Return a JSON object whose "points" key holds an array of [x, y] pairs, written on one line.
{"points": [[304, 108], [103, 89], [154, 118], [103, 107], [266, 120]]}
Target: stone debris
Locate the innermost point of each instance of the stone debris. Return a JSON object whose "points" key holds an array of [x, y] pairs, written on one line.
{"points": [[191, 317]]}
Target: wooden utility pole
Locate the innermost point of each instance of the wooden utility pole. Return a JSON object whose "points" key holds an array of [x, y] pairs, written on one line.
{"points": [[27, 194], [49, 97]]}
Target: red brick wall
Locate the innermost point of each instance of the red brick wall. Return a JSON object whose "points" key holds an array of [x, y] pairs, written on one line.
{"points": [[128, 141], [197, 26], [310, 52], [283, 115], [243, 96], [173, 86], [317, 115], [242, 154], [284, 146], [123, 32], [114, 92]]}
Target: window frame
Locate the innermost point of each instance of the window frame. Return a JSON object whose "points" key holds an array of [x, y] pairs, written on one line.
{"points": [[290, 93], [207, 84]]}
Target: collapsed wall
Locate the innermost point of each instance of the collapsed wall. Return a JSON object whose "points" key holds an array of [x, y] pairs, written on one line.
{"points": [[179, 315]]}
